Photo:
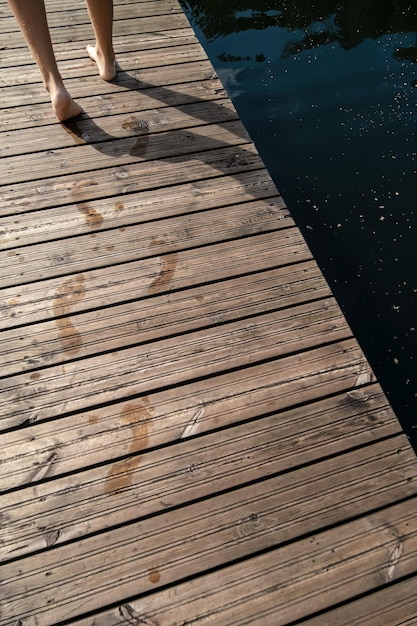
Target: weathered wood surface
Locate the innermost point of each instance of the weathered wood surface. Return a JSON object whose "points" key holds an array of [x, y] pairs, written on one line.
{"points": [[396, 604], [277, 587], [189, 431]]}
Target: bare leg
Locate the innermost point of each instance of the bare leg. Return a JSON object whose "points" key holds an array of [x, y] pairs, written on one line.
{"points": [[101, 16], [31, 17]]}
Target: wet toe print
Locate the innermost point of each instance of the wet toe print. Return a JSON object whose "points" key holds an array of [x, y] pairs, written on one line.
{"points": [[79, 193], [132, 123], [154, 575], [168, 264], [71, 292], [91, 216], [137, 416]]}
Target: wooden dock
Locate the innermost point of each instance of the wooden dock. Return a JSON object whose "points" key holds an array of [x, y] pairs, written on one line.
{"points": [[190, 432]]}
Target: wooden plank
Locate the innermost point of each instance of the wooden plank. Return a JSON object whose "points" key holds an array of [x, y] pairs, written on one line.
{"points": [[81, 87], [83, 67], [302, 577], [193, 102], [37, 263], [28, 228], [394, 604], [99, 106], [55, 6], [143, 24], [15, 57], [157, 481], [111, 376], [43, 261], [149, 277], [130, 178], [113, 129], [81, 159], [135, 322], [78, 15], [287, 584], [356, 416]]}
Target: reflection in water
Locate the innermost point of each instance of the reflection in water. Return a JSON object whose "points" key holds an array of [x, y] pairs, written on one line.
{"points": [[346, 22], [327, 90]]}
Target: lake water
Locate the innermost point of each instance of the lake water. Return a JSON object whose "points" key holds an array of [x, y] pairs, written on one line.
{"points": [[328, 92]]}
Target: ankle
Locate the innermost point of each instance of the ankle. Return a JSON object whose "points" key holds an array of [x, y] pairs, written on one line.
{"points": [[53, 84], [62, 103], [105, 60], [105, 54]]}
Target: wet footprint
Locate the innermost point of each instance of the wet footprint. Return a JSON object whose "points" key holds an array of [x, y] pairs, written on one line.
{"points": [[168, 265], [137, 417], [71, 292]]}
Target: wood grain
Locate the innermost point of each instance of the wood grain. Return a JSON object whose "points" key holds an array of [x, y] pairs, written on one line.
{"points": [[191, 541]]}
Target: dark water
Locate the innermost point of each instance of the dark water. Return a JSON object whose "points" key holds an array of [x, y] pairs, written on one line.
{"points": [[328, 93]]}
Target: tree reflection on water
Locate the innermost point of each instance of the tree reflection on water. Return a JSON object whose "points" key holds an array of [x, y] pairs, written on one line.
{"points": [[346, 23]]}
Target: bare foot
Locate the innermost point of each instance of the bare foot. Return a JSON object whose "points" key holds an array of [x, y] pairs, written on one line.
{"points": [[63, 105], [106, 65]]}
